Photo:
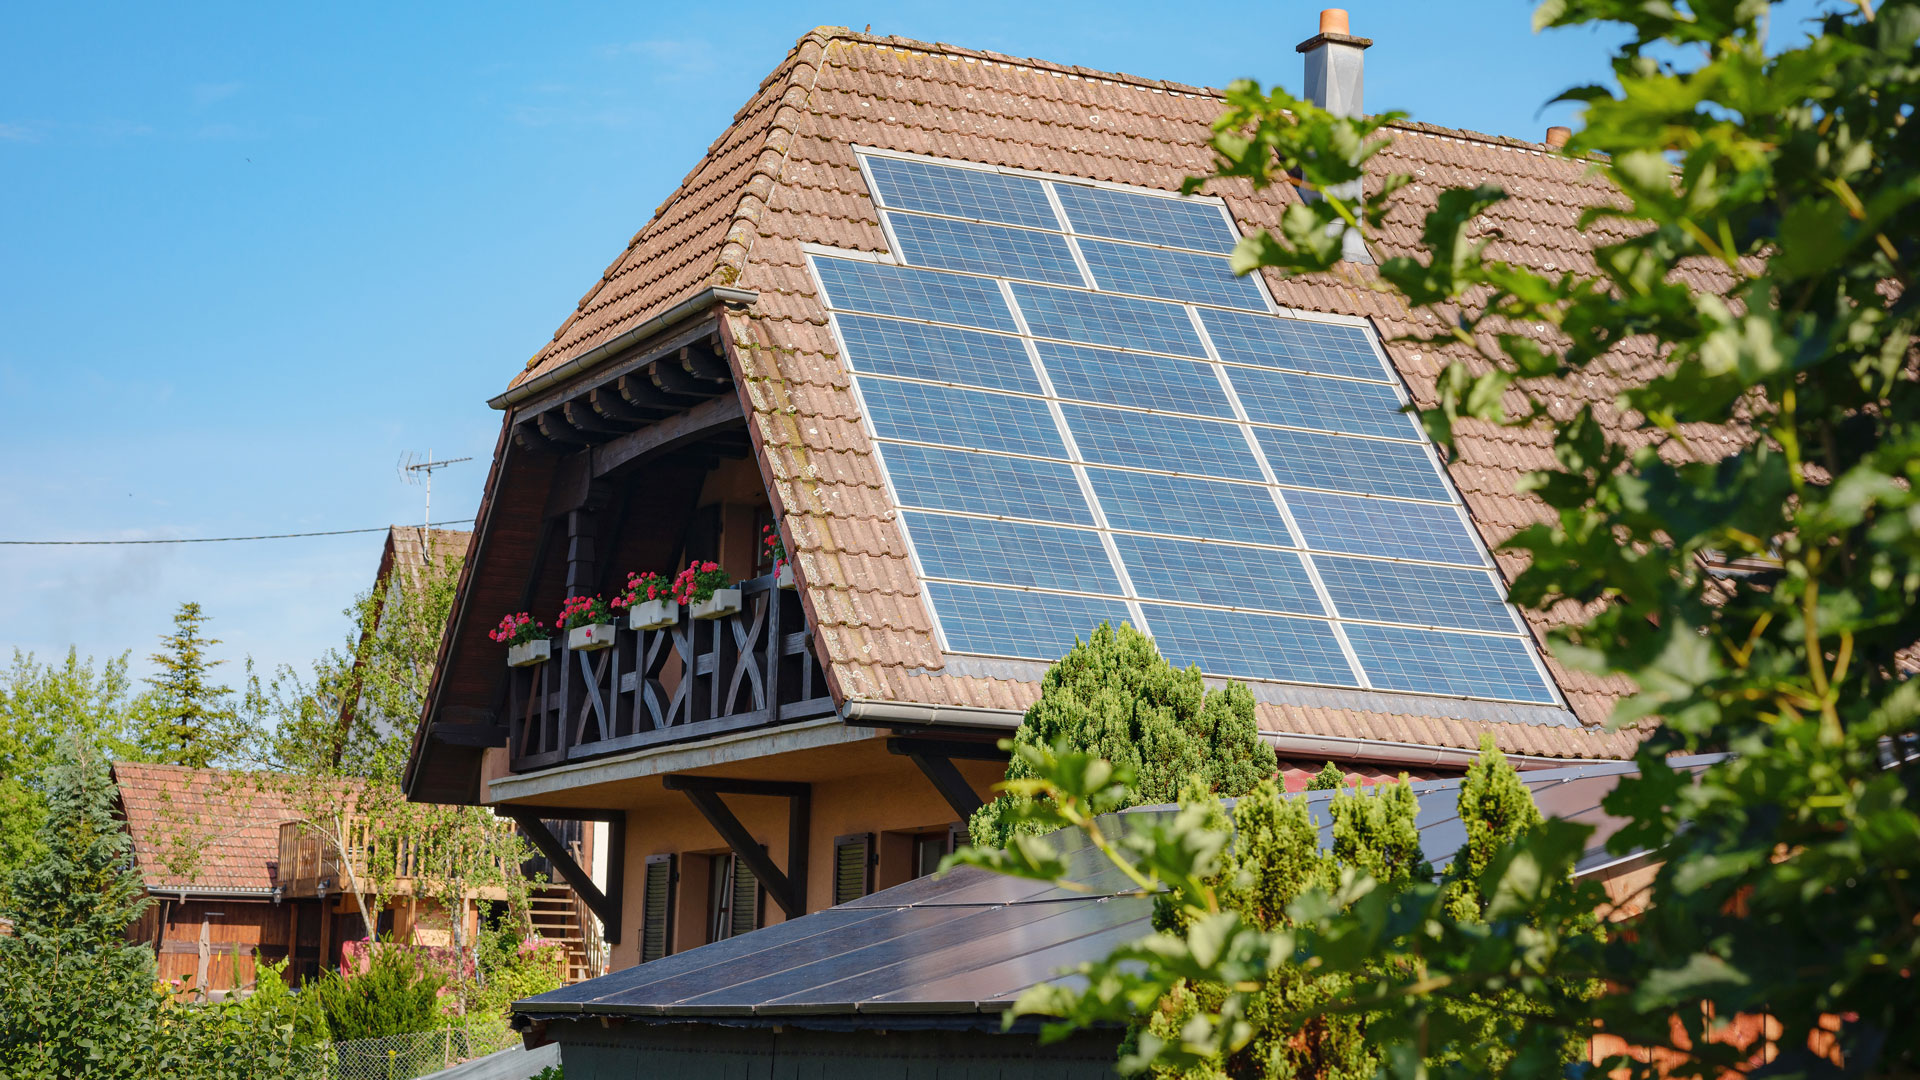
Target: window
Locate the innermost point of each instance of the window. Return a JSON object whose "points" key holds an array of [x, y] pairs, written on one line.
{"points": [[930, 848], [656, 909], [852, 867], [733, 897]]}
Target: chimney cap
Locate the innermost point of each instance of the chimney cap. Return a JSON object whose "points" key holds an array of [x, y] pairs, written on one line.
{"points": [[1333, 20], [1334, 30], [1557, 136]]}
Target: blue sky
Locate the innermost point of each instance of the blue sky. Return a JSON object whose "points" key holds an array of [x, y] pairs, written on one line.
{"points": [[251, 254]]}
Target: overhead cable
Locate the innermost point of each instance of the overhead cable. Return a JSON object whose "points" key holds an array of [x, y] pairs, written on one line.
{"points": [[220, 539]]}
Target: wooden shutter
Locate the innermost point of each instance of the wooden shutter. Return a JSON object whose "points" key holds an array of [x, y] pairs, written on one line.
{"points": [[958, 837], [852, 867], [656, 909], [746, 899]]}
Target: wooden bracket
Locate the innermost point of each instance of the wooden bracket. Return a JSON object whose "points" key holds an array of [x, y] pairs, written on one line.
{"points": [[788, 889], [607, 904], [934, 757]]}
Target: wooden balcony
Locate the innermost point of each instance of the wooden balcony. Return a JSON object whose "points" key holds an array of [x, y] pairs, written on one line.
{"points": [[689, 680], [311, 866]]}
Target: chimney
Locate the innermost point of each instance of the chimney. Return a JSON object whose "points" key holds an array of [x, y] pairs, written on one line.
{"points": [[1335, 70], [1557, 137]]}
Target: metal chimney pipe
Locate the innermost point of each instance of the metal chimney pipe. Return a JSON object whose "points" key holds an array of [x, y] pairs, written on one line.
{"points": [[1336, 69]]}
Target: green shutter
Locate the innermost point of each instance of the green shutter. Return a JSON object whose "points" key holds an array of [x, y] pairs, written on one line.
{"points": [[656, 913], [746, 898], [852, 861]]}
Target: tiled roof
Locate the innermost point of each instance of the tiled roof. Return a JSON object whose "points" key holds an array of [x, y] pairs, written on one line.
{"points": [[406, 554], [201, 828], [785, 174]]}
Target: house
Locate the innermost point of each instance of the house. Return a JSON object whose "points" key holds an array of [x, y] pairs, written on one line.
{"points": [[922, 972], [941, 321]]}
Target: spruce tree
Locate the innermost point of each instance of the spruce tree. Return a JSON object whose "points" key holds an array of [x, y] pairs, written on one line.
{"points": [[195, 724], [1114, 695], [76, 998], [1330, 778]]}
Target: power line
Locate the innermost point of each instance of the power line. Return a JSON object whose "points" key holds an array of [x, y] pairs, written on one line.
{"points": [[212, 539]]}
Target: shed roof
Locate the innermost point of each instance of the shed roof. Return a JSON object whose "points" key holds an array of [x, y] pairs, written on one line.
{"points": [[207, 830], [971, 941]]}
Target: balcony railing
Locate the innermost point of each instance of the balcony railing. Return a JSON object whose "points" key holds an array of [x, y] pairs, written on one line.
{"points": [[311, 863], [692, 679]]}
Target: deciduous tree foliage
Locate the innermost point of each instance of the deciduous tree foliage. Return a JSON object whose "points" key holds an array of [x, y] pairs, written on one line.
{"points": [[1762, 600], [1114, 695]]}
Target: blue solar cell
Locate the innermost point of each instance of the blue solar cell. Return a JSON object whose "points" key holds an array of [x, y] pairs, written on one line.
{"points": [[937, 353], [1098, 319], [1417, 594], [1354, 408], [1437, 662], [963, 418], [1248, 645], [1142, 380], [1152, 441], [1367, 466], [1015, 553], [985, 484], [1273, 341], [967, 193], [1173, 275], [1146, 218], [1184, 571], [1007, 622], [1377, 527], [881, 289], [1189, 506], [985, 249]]}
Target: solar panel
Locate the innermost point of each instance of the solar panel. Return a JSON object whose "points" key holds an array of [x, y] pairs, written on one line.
{"points": [[1190, 506], [1241, 483], [1011, 553], [1227, 575], [1146, 219], [1098, 319], [985, 249], [1142, 380], [920, 412], [1171, 275], [914, 294], [968, 193], [972, 483], [912, 350]]}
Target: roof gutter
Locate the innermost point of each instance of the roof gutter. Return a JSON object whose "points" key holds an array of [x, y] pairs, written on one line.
{"points": [[210, 892], [1327, 747], [698, 304]]}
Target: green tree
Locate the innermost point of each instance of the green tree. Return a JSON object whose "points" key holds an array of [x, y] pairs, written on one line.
{"points": [[1759, 590], [195, 723], [1115, 696], [1330, 778], [75, 995], [37, 702]]}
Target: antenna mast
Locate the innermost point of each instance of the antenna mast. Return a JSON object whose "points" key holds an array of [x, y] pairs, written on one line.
{"points": [[421, 472]]}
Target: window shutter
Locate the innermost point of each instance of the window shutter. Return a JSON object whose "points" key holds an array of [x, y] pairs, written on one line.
{"points": [[746, 899], [852, 867], [656, 910], [958, 837]]}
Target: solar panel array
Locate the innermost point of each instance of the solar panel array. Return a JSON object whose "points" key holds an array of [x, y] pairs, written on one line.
{"points": [[1086, 416]]}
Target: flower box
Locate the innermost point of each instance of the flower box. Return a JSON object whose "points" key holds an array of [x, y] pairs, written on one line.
{"points": [[653, 615], [590, 637], [784, 577], [722, 603], [529, 653]]}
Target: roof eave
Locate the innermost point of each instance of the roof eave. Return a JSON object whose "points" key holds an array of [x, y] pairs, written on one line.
{"points": [[695, 306]]}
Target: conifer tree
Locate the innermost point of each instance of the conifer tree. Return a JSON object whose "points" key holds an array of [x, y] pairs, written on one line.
{"points": [[1114, 695], [75, 995], [195, 724], [1330, 778]]}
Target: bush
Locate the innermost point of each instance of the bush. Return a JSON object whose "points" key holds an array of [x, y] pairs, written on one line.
{"points": [[1113, 695], [397, 994]]}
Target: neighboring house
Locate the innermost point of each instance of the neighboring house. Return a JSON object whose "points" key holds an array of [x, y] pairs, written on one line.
{"points": [[940, 317]]}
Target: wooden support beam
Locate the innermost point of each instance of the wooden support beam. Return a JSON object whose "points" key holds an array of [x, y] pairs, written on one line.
{"points": [[556, 429], [528, 437], [788, 889], [946, 780], [702, 363], [457, 734], [583, 417], [964, 749], [676, 431], [675, 380], [638, 390], [607, 401], [605, 905]]}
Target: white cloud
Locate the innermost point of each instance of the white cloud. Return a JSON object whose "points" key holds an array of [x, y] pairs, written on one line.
{"points": [[205, 94], [18, 133]]}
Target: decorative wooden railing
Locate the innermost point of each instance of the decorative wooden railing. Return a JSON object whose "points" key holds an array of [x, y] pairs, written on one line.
{"points": [[309, 858], [695, 678]]}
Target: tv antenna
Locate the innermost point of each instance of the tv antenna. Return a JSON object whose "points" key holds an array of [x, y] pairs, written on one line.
{"points": [[416, 470]]}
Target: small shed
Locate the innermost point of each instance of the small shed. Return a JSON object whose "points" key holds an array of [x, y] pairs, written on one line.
{"points": [[920, 974]]}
